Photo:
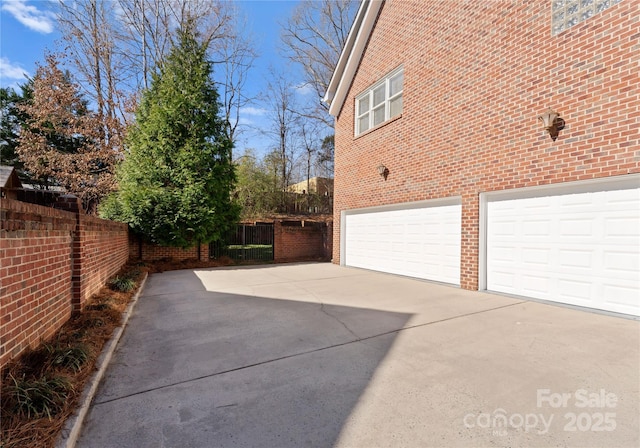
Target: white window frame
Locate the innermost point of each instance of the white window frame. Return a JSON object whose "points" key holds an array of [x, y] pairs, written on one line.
{"points": [[386, 103]]}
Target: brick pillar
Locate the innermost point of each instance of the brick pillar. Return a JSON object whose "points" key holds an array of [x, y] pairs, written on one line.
{"points": [[470, 241], [78, 250], [278, 246], [327, 240], [204, 252], [69, 203]]}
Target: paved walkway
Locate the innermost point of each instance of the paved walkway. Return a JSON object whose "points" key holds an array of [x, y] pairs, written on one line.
{"points": [[319, 355]]}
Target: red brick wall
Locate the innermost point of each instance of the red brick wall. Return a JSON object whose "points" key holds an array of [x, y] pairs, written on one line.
{"points": [[296, 243], [476, 75], [139, 250], [102, 248], [37, 269], [327, 241], [291, 243]]}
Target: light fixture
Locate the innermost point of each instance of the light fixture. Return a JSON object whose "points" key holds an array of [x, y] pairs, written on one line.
{"points": [[552, 123], [383, 171]]}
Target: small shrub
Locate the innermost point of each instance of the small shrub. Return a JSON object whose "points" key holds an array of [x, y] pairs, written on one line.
{"points": [[68, 356], [94, 319], [94, 322], [122, 284], [78, 334], [134, 272], [39, 398], [97, 307]]}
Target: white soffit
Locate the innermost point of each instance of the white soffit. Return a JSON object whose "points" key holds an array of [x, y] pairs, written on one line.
{"points": [[351, 55]]}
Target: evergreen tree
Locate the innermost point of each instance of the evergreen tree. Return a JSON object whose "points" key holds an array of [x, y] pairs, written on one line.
{"points": [[176, 179], [12, 119]]}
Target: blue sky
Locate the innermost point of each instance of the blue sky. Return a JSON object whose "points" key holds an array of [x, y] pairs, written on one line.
{"points": [[28, 28]]}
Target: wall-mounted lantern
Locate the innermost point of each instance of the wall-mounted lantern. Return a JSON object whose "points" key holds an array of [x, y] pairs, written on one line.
{"points": [[383, 171], [552, 123]]}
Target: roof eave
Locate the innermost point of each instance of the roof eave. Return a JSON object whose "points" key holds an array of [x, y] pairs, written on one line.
{"points": [[351, 55]]}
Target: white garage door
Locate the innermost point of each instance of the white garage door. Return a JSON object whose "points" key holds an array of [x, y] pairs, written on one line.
{"points": [[420, 241], [576, 248]]}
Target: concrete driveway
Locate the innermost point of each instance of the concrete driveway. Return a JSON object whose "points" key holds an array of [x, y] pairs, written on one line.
{"points": [[318, 355]]}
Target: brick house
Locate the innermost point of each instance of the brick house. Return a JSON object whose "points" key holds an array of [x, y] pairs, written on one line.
{"points": [[444, 171]]}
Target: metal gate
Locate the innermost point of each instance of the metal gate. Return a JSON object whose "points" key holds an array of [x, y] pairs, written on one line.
{"points": [[246, 243]]}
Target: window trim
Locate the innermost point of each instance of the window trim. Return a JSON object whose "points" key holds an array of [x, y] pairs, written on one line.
{"points": [[369, 113]]}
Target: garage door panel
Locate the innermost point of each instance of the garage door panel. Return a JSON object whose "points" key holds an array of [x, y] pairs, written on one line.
{"points": [[531, 255], [535, 284], [450, 251], [626, 263], [536, 229], [575, 290], [585, 252], [503, 281], [627, 198], [621, 295], [418, 242], [621, 227], [575, 259], [570, 228]]}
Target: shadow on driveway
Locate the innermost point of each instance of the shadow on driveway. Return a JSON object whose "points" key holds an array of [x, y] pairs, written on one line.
{"points": [[202, 368], [320, 355]]}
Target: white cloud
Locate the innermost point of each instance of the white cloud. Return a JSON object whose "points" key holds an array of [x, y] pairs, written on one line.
{"points": [[255, 111], [9, 70], [246, 122], [30, 16], [304, 89]]}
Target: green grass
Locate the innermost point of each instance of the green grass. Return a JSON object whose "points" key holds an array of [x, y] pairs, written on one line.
{"points": [[250, 252], [250, 246]]}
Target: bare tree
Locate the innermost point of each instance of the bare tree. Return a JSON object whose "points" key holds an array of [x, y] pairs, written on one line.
{"points": [[313, 38], [148, 29], [144, 37], [87, 28], [307, 135], [284, 120], [116, 45], [236, 55]]}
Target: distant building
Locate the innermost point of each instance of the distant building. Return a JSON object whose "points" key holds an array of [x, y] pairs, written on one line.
{"points": [[322, 186], [9, 182], [12, 188]]}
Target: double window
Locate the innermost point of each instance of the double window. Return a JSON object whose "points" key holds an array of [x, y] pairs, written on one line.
{"points": [[379, 103]]}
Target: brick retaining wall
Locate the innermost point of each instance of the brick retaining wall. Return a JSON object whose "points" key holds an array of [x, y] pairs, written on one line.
{"points": [[141, 250], [51, 262], [303, 241]]}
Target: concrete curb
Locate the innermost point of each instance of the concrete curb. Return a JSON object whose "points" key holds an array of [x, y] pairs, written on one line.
{"points": [[71, 430]]}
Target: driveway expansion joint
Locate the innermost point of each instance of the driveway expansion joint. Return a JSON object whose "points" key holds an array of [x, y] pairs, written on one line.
{"points": [[294, 355], [323, 309]]}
